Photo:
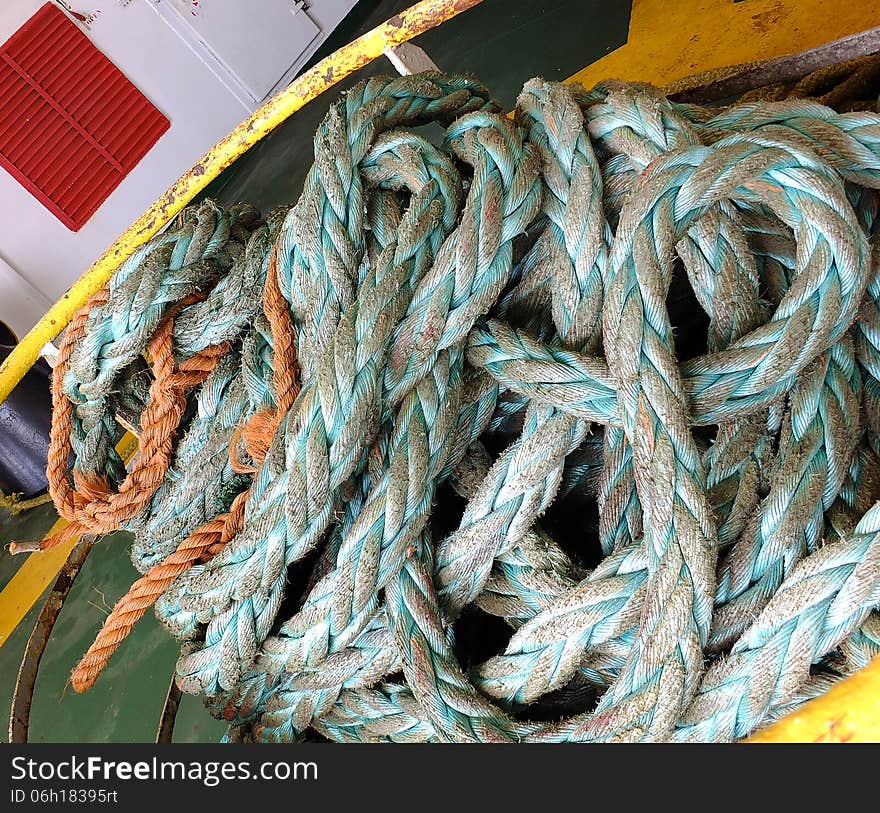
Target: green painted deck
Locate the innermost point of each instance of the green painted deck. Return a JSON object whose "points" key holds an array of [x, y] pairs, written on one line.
{"points": [[504, 42]]}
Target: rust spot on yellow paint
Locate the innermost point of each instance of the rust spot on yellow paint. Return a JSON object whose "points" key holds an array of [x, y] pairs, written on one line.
{"points": [[765, 20]]}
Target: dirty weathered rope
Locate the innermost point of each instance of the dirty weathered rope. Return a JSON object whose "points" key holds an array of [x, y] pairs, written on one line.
{"points": [[385, 416]]}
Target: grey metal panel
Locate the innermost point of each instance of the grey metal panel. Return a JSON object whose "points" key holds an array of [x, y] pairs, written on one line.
{"points": [[256, 46]]}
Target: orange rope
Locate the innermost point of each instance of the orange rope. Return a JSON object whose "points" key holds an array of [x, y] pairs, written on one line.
{"points": [[211, 537], [200, 545], [89, 505], [260, 429]]}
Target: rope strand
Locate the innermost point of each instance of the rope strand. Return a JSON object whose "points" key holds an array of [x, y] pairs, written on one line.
{"points": [[501, 315]]}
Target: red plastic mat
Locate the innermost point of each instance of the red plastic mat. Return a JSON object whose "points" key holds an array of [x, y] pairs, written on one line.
{"points": [[71, 125]]}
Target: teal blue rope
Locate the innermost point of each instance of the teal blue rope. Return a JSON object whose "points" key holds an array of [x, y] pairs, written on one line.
{"points": [[227, 587], [507, 291]]}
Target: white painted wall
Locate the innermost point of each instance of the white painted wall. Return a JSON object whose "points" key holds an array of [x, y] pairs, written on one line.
{"points": [[21, 305], [39, 248], [39, 256]]}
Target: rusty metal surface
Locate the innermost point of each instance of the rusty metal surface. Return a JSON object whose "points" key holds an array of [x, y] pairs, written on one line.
{"points": [[165, 732], [739, 79], [30, 664]]}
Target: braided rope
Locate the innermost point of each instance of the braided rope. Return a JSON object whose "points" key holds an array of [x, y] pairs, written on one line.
{"points": [[209, 538], [826, 596], [332, 427], [420, 447], [620, 510], [494, 317], [526, 476], [529, 667], [842, 425], [819, 440]]}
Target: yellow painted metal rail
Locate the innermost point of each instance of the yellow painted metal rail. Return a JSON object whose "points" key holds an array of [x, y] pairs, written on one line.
{"points": [[399, 29]]}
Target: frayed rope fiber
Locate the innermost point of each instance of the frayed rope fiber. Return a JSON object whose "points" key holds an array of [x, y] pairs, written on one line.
{"points": [[564, 427]]}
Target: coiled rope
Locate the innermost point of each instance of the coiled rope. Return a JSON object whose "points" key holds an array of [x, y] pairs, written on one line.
{"points": [[499, 316]]}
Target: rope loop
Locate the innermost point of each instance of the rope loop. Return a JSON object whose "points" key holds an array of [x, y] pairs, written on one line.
{"points": [[607, 370]]}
